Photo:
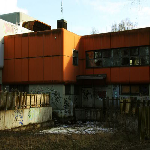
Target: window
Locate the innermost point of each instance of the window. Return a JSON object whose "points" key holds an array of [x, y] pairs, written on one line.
{"points": [[116, 57], [67, 89], [135, 90], [144, 55], [134, 51], [134, 61], [97, 54], [106, 54], [75, 57], [125, 89], [132, 56], [144, 90], [124, 56]]}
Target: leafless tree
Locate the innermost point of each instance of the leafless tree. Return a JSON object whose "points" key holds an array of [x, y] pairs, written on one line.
{"points": [[123, 25], [94, 31]]}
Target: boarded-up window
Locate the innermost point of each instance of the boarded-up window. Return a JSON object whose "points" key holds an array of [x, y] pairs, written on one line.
{"points": [[125, 89], [135, 89]]}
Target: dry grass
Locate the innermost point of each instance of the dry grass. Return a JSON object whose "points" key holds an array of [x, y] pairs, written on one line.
{"points": [[101, 141]]}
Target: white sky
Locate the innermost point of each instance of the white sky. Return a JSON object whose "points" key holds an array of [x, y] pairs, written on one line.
{"points": [[83, 15]]}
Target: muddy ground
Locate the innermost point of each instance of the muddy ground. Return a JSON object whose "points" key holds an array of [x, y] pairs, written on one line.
{"points": [[100, 140]]}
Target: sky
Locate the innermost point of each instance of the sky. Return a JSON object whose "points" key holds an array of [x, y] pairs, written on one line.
{"points": [[83, 15]]}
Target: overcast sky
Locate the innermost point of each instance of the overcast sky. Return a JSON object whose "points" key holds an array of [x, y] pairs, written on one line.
{"points": [[83, 15]]}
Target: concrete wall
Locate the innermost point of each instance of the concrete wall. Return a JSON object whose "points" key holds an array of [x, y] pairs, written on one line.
{"points": [[0, 76], [18, 17], [62, 104], [14, 118]]}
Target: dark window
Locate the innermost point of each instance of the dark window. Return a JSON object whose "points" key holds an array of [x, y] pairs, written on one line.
{"points": [[124, 56], [116, 57], [98, 62], [144, 60], [144, 51], [125, 61], [75, 57], [107, 53], [67, 89], [134, 51], [144, 90], [124, 52]]}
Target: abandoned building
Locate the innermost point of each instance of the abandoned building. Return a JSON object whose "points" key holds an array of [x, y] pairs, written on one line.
{"points": [[78, 71]]}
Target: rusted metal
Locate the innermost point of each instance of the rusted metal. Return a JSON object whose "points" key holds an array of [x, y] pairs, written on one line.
{"points": [[36, 25]]}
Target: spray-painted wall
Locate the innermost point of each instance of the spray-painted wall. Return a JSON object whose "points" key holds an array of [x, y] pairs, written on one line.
{"points": [[62, 103]]}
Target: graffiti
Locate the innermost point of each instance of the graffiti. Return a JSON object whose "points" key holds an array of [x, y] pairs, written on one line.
{"points": [[8, 28], [67, 105], [18, 116]]}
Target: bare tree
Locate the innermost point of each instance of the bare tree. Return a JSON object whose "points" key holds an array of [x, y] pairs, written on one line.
{"points": [[123, 25], [94, 31]]}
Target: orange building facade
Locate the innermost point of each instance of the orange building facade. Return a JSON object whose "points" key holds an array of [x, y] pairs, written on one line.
{"points": [[82, 70]]}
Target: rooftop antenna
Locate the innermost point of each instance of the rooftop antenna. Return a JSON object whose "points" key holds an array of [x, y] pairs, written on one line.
{"points": [[61, 9]]}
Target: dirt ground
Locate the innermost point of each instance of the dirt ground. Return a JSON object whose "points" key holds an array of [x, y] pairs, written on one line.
{"points": [[31, 139]]}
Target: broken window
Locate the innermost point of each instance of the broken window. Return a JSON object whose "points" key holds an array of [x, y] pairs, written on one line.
{"points": [[144, 60], [75, 57], [90, 63], [98, 62], [116, 53], [90, 55], [144, 51], [132, 56], [107, 62], [134, 51], [107, 53], [116, 62], [144, 55], [116, 57], [98, 54], [124, 52]]}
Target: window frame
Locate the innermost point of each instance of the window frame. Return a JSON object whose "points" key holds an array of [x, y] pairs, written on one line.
{"points": [[130, 57]]}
